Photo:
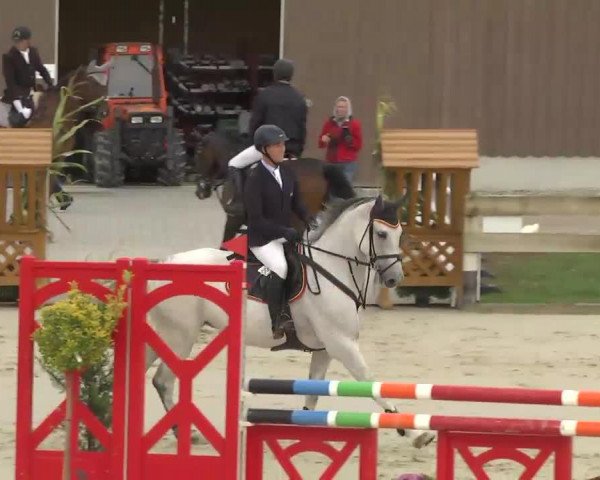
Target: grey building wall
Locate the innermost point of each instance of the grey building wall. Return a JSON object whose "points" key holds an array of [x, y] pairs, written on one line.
{"points": [[525, 73]]}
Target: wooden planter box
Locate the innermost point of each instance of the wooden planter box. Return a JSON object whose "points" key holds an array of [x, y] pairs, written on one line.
{"points": [[433, 168], [25, 155]]}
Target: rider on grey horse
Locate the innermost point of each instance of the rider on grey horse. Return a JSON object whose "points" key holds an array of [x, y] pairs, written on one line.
{"points": [[19, 67], [271, 196], [280, 104]]}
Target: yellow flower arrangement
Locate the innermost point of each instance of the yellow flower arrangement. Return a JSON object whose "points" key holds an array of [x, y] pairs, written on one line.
{"points": [[76, 332]]}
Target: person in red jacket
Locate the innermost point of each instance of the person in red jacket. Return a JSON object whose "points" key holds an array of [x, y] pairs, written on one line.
{"points": [[342, 136]]}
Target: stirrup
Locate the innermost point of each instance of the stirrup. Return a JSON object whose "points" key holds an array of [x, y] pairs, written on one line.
{"points": [[282, 325], [292, 342]]}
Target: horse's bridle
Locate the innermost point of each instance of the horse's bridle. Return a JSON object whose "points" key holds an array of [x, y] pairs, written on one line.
{"points": [[360, 298]]}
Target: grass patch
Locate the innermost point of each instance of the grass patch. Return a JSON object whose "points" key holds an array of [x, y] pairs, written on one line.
{"points": [[560, 278]]}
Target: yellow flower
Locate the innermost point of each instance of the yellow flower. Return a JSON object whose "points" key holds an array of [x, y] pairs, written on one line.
{"points": [[76, 332]]}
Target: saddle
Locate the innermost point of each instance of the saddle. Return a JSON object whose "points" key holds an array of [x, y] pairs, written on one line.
{"points": [[257, 273], [295, 286]]}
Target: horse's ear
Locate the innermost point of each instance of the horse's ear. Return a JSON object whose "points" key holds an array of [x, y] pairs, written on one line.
{"points": [[377, 207]]}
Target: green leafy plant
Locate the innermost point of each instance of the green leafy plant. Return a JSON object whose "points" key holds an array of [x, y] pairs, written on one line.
{"points": [[76, 335], [385, 107], [76, 332], [65, 127]]}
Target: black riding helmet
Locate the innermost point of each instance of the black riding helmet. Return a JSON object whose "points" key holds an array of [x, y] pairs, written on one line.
{"points": [[267, 135], [283, 70], [21, 33]]}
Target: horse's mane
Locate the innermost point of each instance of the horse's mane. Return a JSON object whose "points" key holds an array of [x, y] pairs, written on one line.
{"points": [[63, 82], [52, 94], [65, 79], [334, 209]]}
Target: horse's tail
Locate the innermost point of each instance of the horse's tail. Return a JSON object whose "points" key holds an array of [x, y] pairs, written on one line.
{"points": [[338, 184]]}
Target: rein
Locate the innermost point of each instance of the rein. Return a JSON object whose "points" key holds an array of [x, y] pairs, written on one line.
{"points": [[360, 297]]}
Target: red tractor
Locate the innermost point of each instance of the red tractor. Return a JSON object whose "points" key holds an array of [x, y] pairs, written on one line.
{"points": [[138, 136]]}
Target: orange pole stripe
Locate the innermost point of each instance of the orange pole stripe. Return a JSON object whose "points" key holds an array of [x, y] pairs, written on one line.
{"points": [[395, 420], [589, 429], [399, 390], [589, 399]]}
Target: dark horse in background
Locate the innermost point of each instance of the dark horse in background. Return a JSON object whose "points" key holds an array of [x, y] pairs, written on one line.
{"points": [[318, 181]]}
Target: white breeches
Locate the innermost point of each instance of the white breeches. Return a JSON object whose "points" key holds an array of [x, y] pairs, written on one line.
{"points": [[245, 158], [271, 256]]}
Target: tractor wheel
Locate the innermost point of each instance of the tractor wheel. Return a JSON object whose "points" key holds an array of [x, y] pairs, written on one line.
{"points": [[108, 169], [88, 140], [172, 172]]}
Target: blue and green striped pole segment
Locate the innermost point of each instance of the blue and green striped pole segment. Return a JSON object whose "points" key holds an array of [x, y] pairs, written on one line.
{"points": [[410, 421], [329, 388], [426, 391], [314, 418]]}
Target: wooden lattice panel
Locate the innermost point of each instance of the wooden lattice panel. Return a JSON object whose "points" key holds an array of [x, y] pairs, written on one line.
{"points": [[432, 262], [432, 170], [10, 253], [22, 199]]}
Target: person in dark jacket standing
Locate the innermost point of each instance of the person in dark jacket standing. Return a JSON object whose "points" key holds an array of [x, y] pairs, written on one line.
{"points": [[271, 195], [19, 67], [282, 105]]}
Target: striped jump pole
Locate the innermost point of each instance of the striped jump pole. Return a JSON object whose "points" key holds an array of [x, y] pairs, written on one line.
{"points": [[425, 391], [512, 426]]}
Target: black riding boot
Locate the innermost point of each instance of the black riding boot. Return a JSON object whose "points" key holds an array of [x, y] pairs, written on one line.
{"points": [[236, 206], [278, 307]]}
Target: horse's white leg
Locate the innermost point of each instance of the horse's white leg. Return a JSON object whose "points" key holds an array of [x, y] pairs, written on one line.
{"points": [[164, 379], [164, 383], [319, 363], [348, 353]]}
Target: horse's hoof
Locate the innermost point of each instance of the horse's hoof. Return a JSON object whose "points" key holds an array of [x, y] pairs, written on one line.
{"points": [[423, 439]]}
